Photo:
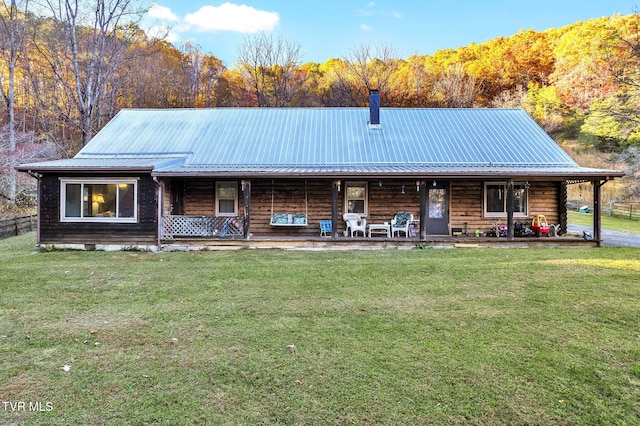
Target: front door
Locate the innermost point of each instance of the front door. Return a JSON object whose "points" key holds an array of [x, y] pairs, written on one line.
{"points": [[176, 191], [437, 209]]}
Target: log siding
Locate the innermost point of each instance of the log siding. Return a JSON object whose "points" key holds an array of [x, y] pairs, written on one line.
{"points": [[313, 197]]}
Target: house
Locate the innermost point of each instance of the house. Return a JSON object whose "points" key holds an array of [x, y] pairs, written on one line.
{"points": [[150, 178]]}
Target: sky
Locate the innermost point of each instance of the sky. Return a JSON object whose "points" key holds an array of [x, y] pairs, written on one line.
{"points": [[332, 28]]}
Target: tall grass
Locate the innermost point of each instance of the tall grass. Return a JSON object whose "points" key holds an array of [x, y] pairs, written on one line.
{"points": [[461, 336]]}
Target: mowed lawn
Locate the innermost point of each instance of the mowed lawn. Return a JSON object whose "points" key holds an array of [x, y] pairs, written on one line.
{"points": [[608, 222], [393, 337]]}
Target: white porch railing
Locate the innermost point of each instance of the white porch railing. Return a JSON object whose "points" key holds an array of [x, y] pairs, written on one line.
{"points": [[174, 226]]}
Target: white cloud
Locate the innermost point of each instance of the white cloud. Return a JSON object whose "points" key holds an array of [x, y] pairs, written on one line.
{"points": [[397, 15], [365, 27], [232, 17], [161, 12]]}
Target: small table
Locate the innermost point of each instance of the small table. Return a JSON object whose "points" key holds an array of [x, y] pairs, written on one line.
{"points": [[380, 228]]}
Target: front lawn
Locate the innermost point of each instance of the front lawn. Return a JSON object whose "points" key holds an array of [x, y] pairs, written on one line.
{"points": [[608, 222], [434, 336]]}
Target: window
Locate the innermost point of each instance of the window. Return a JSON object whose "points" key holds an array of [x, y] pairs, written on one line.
{"points": [[98, 200], [495, 199], [226, 198], [356, 198]]}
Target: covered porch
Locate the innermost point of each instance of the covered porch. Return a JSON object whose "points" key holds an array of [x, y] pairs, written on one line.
{"points": [[214, 212]]}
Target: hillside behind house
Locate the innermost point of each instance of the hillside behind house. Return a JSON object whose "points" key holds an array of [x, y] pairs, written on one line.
{"points": [[579, 82]]}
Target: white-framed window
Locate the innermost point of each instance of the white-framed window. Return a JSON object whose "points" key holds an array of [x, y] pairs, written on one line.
{"points": [[226, 198], [495, 199], [98, 200], [355, 194]]}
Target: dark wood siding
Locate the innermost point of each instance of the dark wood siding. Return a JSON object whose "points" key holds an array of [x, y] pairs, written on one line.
{"points": [[53, 231]]}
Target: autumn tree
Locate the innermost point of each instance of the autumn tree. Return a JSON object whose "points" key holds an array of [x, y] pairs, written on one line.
{"points": [[543, 103], [455, 88], [612, 122], [368, 67], [580, 74], [83, 47], [269, 66], [12, 35], [412, 83]]}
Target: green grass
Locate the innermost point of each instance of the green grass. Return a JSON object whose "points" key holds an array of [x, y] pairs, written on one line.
{"points": [[460, 336], [608, 222]]}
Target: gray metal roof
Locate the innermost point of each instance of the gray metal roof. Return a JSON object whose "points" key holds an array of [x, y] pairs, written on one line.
{"points": [[299, 141]]}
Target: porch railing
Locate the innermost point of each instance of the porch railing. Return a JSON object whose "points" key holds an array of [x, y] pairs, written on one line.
{"points": [[174, 226]]}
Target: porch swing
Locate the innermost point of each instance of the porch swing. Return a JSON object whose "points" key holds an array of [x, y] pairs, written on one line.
{"points": [[289, 219]]}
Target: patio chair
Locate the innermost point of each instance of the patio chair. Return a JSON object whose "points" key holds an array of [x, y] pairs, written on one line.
{"points": [[325, 228], [354, 224], [400, 223]]}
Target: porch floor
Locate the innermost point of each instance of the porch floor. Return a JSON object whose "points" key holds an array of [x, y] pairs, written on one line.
{"points": [[376, 243]]}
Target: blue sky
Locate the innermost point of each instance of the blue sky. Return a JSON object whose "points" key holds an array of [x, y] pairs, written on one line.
{"points": [[331, 28]]}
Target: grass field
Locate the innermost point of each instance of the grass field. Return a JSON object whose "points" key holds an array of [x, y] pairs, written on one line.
{"points": [[459, 336], [613, 223]]}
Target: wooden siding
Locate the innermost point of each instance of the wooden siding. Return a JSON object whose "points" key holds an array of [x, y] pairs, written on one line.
{"points": [[313, 197], [52, 231], [295, 196], [290, 196], [467, 204]]}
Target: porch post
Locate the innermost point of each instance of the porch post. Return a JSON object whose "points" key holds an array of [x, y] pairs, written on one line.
{"points": [[510, 208], [39, 195], [597, 212], [246, 192], [334, 208], [423, 210], [562, 206], [159, 211]]}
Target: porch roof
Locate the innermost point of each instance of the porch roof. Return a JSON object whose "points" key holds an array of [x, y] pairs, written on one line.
{"points": [[103, 164], [326, 141]]}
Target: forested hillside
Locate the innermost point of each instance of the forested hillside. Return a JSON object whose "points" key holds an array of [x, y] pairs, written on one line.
{"points": [[64, 77]]}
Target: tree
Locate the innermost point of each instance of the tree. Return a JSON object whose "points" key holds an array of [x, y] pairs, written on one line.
{"points": [[580, 73], [201, 73], [612, 123], [12, 34], [455, 88], [412, 82], [369, 67], [269, 67], [27, 148], [631, 158], [84, 47], [545, 106]]}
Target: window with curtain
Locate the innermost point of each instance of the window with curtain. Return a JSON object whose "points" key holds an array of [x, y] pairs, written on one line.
{"points": [[98, 200]]}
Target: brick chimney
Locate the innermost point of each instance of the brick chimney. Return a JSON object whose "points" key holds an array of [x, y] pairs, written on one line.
{"points": [[374, 108]]}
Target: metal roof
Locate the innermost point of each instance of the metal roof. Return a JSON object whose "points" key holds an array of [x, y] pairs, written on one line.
{"points": [[102, 164], [299, 141]]}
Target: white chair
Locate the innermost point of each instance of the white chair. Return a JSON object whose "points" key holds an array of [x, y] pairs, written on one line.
{"points": [[400, 223], [354, 224]]}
